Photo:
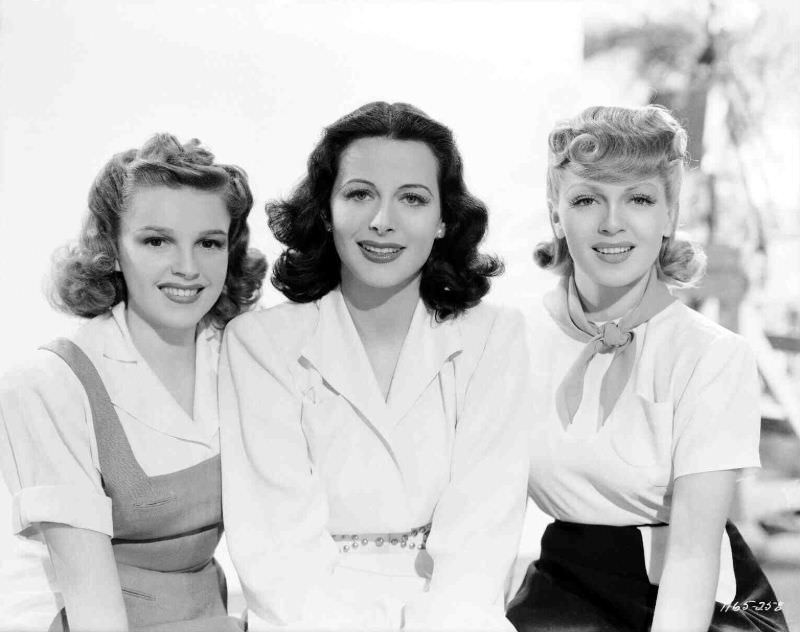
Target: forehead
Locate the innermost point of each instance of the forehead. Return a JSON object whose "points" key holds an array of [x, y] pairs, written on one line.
{"points": [[570, 182], [179, 208], [389, 161]]}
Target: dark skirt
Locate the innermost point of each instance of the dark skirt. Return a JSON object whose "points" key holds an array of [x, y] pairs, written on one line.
{"points": [[593, 578]]}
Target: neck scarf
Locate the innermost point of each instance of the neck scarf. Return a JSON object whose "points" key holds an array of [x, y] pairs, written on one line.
{"points": [[564, 305]]}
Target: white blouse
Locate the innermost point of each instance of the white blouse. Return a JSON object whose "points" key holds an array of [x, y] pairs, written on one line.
{"points": [[691, 405], [310, 449], [48, 451]]}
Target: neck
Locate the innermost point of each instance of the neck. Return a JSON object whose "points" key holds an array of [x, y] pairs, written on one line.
{"points": [[380, 312], [608, 303], [160, 346]]}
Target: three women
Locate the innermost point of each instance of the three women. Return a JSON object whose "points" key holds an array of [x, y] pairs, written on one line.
{"points": [[373, 461]]}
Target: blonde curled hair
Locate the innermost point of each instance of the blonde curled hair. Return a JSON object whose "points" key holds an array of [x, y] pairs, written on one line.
{"points": [[616, 144]]}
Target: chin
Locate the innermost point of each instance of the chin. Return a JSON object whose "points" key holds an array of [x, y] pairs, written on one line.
{"points": [[384, 280], [618, 279]]}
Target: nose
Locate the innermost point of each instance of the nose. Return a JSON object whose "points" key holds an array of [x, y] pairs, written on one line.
{"points": [[184, 263], [381, 222], [613, 220]]}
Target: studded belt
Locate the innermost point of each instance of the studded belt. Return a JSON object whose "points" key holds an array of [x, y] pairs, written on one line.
{"points": [[384, 542]]}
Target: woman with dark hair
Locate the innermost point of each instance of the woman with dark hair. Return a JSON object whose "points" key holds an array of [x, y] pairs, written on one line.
{"points": [[109, 440], [645, 411], [373, 476]]}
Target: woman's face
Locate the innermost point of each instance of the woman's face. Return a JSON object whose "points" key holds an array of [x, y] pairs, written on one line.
{"points": [[613, 231], [173, 254], [385, 211]]}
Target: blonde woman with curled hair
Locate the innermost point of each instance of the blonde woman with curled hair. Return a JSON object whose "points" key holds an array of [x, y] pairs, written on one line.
{"points": [[109, 440], [647, 411]]}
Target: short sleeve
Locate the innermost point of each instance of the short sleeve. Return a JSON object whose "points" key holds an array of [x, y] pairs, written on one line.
{"points": [[46, 449], [717, 418]]}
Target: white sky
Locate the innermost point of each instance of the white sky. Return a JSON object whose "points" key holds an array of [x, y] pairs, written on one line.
{"points": [[83, 79]]}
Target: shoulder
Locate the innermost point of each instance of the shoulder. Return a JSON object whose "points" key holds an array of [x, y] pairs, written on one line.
{"points": [[689, 334], [283, 328], [489, 318], [491, 329], [692, 349], [42, 380]]}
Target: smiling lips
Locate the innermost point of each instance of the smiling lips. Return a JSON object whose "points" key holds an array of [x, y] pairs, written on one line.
{"points": [[181, 293], [380, 252], [613, 253]]}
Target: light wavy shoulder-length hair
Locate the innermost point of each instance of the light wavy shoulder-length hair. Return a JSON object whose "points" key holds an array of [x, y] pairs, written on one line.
{"points": [[615, 144], [84, 280]]}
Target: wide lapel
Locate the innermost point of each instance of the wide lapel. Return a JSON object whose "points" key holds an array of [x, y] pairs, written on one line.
{"points": [[135, 389], [428, 345], [335, 350]]}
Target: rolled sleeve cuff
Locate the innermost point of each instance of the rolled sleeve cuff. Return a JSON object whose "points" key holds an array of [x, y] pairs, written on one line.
{"points": [[63, 504]]}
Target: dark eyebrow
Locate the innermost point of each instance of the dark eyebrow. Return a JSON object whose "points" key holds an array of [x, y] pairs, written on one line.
{"points": [[155, 229], [415, 186], [215, 231], [359, 180]]}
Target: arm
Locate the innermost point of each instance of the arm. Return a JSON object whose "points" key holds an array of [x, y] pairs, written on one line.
{"points": [[48, 464], [478, 520], [92, 596], [717, 426], [274, 505], [700, 505]]}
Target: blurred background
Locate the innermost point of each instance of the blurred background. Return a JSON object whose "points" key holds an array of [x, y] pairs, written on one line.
{"points": [[83, 79]]}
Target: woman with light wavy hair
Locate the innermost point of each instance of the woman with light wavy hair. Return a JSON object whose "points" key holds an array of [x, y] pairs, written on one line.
{"points": [[647, 411], [109, 439]]}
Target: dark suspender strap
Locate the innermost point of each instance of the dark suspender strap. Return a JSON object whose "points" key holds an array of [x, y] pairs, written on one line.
{"points": [[117, 462]]}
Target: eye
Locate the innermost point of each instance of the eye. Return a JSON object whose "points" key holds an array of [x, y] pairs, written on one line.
{"points": [[642, 200], [415, 199], [215, 244], [582, 200], [358, 195], [155, 242]]}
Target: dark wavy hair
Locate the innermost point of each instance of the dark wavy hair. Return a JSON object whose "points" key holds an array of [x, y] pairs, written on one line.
{"points": [[614, 144], [454, 278], [84, 280]]}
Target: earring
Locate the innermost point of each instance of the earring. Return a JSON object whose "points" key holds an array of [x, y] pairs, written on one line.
{"points": [[440, 232]]}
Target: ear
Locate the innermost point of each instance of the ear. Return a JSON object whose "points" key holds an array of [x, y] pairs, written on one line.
{"points": [[554, 221], [440, 231]]}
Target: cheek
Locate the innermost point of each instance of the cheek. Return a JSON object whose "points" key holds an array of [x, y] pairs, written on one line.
{"points": [[346, 218], [219, 267]]}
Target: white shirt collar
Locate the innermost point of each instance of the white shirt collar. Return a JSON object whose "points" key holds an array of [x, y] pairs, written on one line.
{"points": [[134, 388], [337, 353]]}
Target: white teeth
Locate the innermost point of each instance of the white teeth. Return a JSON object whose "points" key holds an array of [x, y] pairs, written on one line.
{"points": [[174, 291], [613, 251], [380, 251]]}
